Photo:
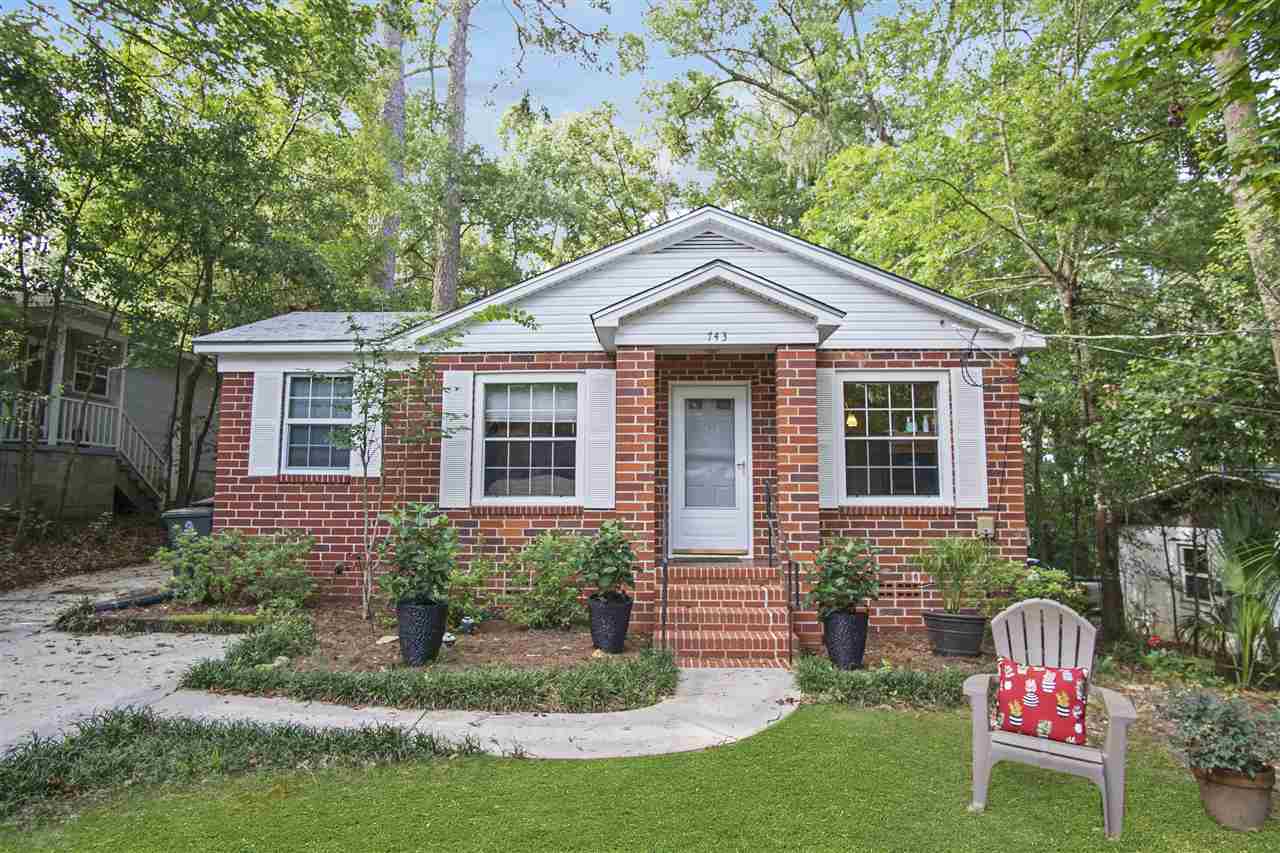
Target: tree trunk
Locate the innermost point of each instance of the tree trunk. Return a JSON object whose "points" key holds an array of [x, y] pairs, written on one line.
{"points": [[393, 121], [1257, 218], [198, 450], [186, 464], [449, 249]]}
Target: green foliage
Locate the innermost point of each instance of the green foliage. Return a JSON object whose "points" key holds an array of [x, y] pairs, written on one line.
{"points": [[1172, 665], [608, 563], [963, 570], [1212, 733], [422, 547], [819, 679], [230, 567], [469, 595], [1053, 584], [608, 684], [552, 563], [846, 575], [119, 749], [290, 636]]}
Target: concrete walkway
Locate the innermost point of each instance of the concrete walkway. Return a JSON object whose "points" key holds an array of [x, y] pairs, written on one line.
{"points": [[49, 679], [711, 707]]}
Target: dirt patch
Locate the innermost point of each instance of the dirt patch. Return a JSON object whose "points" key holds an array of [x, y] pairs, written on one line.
{"points": [[73, 549], [347, 643], [911, 650]]}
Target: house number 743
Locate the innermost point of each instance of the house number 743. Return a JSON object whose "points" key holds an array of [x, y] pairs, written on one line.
{"points": [[718, 336]]}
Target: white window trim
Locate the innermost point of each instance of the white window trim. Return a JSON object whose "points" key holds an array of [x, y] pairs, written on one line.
{"points": [[946, 449], [102, 366], [286, 422], [478, 497]]}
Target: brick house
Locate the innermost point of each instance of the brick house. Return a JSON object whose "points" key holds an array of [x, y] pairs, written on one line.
{"points": [[676, 381]]}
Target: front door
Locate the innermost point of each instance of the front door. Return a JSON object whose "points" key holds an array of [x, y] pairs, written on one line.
{"points": [[710, 470]]}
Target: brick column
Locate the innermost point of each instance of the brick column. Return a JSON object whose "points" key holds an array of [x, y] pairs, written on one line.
{"points": [[636, 495], [796, 416]]}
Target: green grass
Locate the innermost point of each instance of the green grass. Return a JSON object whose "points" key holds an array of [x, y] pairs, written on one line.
{"points": [[608, 684], [121, 748], [828, 778], [868, 688]]}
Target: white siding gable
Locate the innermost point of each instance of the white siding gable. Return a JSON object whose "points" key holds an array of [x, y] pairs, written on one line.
{"points": [[876, 318], [716, 309]]}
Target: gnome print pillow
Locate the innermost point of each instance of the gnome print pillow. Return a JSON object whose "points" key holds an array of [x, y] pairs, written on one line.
{"points": [[1042, 701]]}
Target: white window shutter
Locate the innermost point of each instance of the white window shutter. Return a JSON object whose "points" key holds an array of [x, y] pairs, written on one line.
{"points": [[828, 435], [455, 446], [969, 435], [374, 449], [598, 427], [264, 423]]}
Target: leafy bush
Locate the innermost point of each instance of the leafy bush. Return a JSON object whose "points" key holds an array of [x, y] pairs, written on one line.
{"points": [[963, 571], [123, 748], [609, 684], [231, 567], [422, 548], [290, 636], [845, 575], [553, 562], [1212, 733], [818, 678], [469, 594], [1053, 584], [608, 563], [1172, 665]]}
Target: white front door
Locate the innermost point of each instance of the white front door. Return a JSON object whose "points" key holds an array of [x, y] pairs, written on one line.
{"points": [[710, 469]]}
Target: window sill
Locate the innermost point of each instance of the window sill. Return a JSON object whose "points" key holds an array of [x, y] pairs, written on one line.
{"points": [[509, 510], [889, 508]]}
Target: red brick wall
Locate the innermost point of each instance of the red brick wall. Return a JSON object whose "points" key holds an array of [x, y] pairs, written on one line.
{"points": [[753, 368], [328, 505]]}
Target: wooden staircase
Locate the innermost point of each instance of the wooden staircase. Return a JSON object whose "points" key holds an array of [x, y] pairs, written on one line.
{"points": [[727, 613]]}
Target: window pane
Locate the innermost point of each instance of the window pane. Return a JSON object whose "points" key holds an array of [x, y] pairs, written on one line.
{"points": [[878, 482], [519, 454], [298, 408], [926, 395], [519, 399], [564, 454], [321, 387], [518, 480], [567, 401], [519, 427], [900, 453], [855, 422], [495, 399], [926, 422], [564, 483], [709, 472], [855, 453], [927, 481], [495, 454], [878, 396], [903, 482], [343, 387], [856, 481], [297, 457], [540, 454], [855, 395], [300, 387], [877, 423], [495, 482], [900, 396], [540, 482], [878, 451], [341, 457], [542, 424], [495, 428], [566, 430], [926, 453], [544, 397]]}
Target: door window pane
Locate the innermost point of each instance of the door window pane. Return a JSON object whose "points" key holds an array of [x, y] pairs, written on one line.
{"points": [[709, 451]]}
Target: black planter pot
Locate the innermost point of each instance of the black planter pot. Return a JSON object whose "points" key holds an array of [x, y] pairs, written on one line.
{"points": [[421, 631], [609, 621], [956, 634], [845, 635]]}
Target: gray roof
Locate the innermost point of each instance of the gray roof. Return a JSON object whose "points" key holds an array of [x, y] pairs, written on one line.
{"points": [[313, 326]]}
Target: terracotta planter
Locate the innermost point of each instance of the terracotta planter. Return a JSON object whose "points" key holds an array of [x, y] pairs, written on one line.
{"points": [[956, 634], [1236, 800]]}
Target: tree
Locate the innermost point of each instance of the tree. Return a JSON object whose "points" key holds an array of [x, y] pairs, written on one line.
{"points": [[448, 256]]}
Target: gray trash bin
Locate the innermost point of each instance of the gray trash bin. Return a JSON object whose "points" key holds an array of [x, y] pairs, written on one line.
{"points": [[197, 518]]}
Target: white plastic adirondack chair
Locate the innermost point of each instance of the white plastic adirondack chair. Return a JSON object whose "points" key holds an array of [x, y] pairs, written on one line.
{"points": [[1039, 632]]}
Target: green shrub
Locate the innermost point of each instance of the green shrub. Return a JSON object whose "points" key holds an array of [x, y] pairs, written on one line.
{"points": [[1212, 733], [908, 688], [609, 684], [553, 562], [607, 563], [290, 636], [845, 575], [422, 547], [120, 749], [1053, 584], [469, 594], [230, 567]]}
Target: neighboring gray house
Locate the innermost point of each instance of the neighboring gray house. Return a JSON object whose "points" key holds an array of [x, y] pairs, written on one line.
{"points": [[1169, 553], [117, 415]]}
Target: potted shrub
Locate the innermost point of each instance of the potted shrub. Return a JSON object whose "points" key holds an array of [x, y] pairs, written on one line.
{"points": [[608, 564], [845, 576], [421, 547], [1230, 749], [963, 572]]}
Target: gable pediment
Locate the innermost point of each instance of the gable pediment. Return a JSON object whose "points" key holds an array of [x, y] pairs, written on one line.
{"points": [[714, 304]]}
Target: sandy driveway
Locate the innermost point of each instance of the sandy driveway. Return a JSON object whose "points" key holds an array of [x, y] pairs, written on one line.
{"points": [[48, 679]]}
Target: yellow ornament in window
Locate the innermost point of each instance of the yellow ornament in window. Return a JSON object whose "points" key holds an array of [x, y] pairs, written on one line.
{"points": [[851, 420]]}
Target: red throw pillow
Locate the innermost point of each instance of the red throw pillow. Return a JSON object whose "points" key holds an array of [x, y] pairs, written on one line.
{"points": [[1042, 701]]}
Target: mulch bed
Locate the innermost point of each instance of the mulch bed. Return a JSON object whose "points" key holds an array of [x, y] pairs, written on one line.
{"points": [[347, 643], [72, 549]]}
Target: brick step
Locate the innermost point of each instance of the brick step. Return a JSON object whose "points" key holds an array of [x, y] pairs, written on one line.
{"points": [[726, 618], [693, 662], [722, 573], [723, 595], [729, 644]]}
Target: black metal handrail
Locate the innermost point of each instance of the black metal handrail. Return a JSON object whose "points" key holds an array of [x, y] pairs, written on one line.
{"points": [[664, 565], [790, 569]]}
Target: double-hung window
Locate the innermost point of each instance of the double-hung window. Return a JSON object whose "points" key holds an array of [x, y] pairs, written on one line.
{"points": [[1198, 582], [529, 447], [90, 374], [895, 438], [315, 407]]}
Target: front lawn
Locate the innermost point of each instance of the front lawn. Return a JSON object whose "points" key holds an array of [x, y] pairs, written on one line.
{"points": [[826, 778]]}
